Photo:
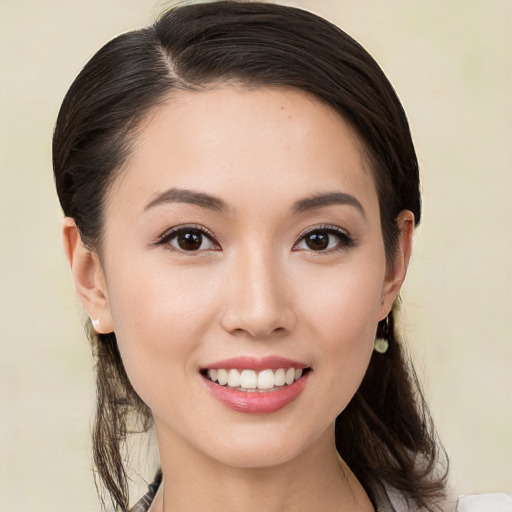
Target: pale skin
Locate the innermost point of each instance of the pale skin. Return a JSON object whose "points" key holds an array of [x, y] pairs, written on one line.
{"points": [[253, 286]]}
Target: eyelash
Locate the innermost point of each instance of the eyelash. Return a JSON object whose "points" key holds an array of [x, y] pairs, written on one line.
{"points": [[345, 239], [173, 233]]}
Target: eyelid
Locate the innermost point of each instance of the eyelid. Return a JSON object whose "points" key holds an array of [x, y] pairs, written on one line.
{"points": [[176, 230], [164, 238], [330, 228], [324, 227]]}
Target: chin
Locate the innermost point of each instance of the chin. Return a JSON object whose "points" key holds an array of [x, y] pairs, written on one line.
{"points": [[265, 447], [256, 457]]}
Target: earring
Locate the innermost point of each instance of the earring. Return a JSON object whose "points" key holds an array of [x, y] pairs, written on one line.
{"points": [[382, 337], [381, 345]]}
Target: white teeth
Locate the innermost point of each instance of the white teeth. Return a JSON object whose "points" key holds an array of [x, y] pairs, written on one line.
{"points": [[233, 378], [248, 379], [266, 379], [222, 377], [280, 377], [290, 376], [251, 380]]}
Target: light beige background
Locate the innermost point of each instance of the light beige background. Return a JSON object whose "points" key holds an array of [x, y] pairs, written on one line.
{"points": [[451, 64]]}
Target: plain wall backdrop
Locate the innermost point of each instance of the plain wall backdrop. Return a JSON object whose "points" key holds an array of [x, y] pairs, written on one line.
{"points": [[451, 64]]}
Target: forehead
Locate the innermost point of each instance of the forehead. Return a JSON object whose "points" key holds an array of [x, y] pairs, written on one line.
{"points": [[244, 143]]}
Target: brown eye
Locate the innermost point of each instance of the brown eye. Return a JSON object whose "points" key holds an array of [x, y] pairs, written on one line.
{"points": [[189, 241], [317, 240], [325, 239]]}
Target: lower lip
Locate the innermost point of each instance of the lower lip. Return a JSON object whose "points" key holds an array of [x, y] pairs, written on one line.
{"points": [[256, 402]]}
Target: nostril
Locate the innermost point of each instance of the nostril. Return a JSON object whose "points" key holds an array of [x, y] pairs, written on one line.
{"points": [[258, 319]]}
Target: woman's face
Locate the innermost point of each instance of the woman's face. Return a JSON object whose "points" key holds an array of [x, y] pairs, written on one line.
{"points": [[243, 235]]}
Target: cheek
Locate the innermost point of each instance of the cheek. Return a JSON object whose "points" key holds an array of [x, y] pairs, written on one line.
{"points": [[345, 305], [159, 320], [344, 316]]}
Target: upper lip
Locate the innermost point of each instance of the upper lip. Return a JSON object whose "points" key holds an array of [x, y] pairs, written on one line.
{"points": [[256, 363]]}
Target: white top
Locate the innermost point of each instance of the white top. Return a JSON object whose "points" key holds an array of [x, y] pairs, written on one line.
{"points": [[496, 502], [493, 502]]}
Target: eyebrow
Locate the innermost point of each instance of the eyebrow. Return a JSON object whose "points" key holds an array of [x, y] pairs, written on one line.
{"points": [[203, 200], [180, 195], [330, 198]]}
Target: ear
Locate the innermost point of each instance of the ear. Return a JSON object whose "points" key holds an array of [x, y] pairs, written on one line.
{"points": [[88, 277], [396, 273]]}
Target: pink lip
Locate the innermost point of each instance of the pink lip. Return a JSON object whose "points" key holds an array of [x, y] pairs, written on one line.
{"points": [[256, 402], [256, 364]]}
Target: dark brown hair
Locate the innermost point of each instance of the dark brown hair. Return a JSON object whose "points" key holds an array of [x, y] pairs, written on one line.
{"points": [[385, 434]]}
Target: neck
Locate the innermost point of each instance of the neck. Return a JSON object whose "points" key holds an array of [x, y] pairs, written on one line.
{"points": [[314, 480]]}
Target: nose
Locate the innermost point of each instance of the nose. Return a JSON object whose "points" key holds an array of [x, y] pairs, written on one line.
{"points": [[257, 298]]}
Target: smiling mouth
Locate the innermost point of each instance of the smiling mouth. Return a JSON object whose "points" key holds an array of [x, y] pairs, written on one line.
{"points": [[254, 381]]}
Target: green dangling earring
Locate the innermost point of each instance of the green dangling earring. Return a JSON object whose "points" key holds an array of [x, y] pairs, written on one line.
{"points": [[382, 337]]}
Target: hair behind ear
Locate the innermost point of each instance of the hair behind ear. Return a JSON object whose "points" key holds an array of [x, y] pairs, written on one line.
{"points": [[386, 434], [119, 412]]}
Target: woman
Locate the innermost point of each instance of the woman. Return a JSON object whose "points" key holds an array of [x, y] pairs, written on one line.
{"points": [[240, 190]]}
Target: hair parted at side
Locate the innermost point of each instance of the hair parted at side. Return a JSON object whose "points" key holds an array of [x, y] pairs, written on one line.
{"points": [[385, 434]]}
